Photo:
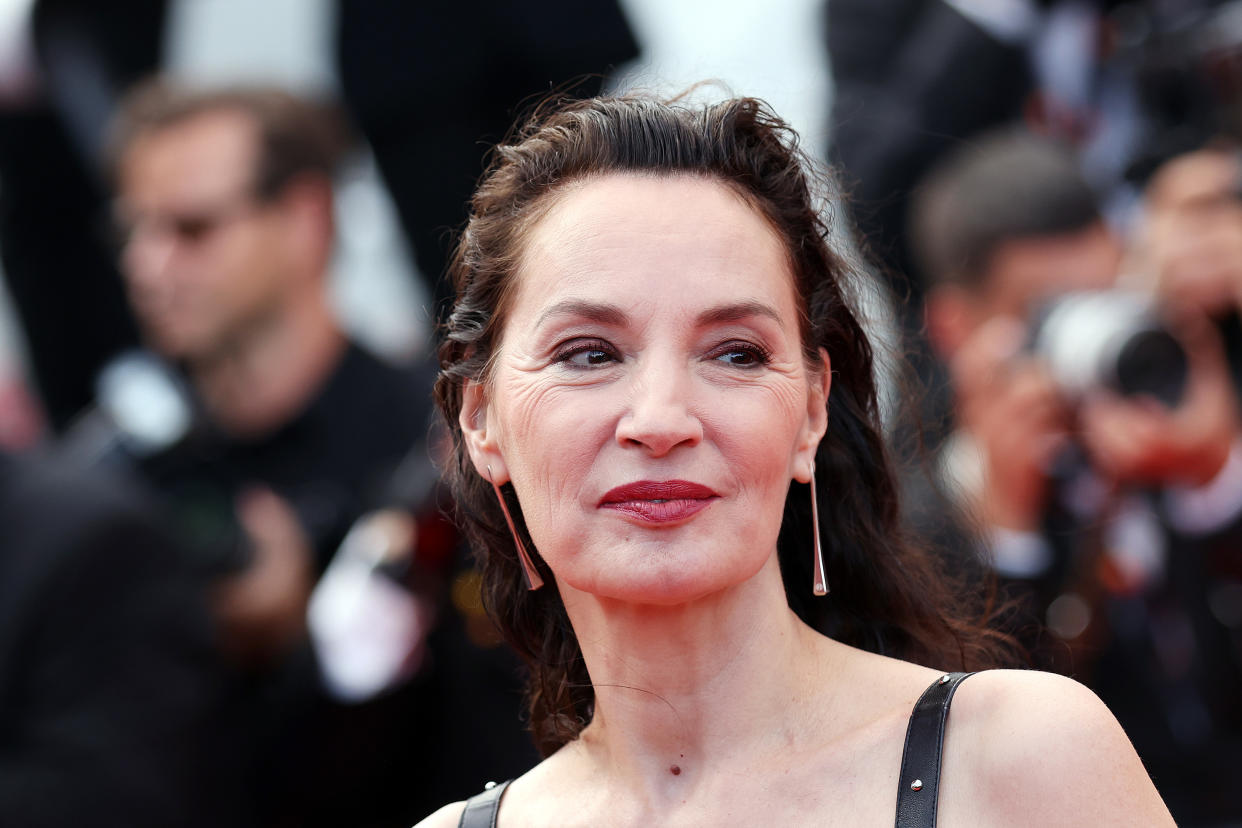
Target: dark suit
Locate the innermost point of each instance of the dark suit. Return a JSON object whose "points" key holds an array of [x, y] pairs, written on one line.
{"points": [[913, 79], [104, 660], [434, 85]]}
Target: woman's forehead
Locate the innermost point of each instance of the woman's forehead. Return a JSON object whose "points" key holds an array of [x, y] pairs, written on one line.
{"points": [[637, 234], [636, 199]]}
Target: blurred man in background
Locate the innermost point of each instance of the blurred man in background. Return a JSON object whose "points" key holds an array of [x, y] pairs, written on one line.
{"points": [[224, 200], [431, 86], [1126, 82], [288, 434], [1095, 501], [1191, 239]]}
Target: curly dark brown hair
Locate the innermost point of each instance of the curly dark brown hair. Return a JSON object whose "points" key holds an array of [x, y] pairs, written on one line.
{"points": [[888, 595]]}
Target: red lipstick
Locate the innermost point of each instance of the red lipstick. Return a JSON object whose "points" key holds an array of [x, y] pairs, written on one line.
{"points": [[659, 501]]}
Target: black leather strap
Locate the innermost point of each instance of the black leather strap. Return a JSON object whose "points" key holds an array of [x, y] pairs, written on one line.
{"points": [[482, 809], [919, 784]]}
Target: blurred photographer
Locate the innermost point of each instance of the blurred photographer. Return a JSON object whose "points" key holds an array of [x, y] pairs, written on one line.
{"points": [[1095, 451], [1191, 244], [266, 434]]}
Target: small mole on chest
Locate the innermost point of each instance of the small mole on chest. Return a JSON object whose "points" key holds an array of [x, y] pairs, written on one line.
{"points": [[675, 770]]}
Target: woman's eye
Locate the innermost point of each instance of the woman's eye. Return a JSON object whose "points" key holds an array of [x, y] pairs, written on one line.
{"points": [[585, 354], [742, 356]]}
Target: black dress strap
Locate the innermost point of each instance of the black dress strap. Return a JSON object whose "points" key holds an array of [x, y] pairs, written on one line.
{"points": [[481, 809], [919, 784]]}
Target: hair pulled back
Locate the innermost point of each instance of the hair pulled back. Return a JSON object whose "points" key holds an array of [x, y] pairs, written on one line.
{"points": [[887, 595]]}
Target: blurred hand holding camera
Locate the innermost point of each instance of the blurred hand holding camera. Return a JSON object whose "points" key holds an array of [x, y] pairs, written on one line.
{"points": [[1138, 440], [1010, 405], [262, 609]]}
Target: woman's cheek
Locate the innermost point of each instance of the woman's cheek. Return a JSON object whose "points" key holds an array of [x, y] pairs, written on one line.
{"points": [[551, 437]]}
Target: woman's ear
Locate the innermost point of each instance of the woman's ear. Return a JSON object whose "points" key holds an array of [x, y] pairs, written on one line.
{"points": [[481, 441], [816, 425]]}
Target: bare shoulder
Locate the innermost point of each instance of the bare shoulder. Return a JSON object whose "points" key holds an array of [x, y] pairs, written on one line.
{"points": [[1029, 747], [529, 798], [446, 817]]}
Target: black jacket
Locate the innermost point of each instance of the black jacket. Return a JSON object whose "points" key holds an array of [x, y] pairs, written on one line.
{"points": [[105, 677]]}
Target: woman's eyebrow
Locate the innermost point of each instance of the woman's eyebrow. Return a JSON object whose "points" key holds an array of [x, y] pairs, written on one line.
{"points": [[737, 311], [607, 314], [583, 309]]}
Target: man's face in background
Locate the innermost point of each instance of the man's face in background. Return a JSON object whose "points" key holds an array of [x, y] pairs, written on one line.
{"points": [[1193, 232], [1025, 274], [1020, 277], [205, 260]]}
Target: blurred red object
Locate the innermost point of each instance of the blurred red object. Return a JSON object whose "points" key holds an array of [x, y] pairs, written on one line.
{"points": [[22, 423]]}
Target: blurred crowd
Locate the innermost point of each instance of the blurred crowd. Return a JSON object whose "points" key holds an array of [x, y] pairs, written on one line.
{"points": [[229, 592]]}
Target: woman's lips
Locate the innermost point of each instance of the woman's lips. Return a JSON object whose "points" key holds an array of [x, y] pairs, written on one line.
{"points": [[665, 501]]}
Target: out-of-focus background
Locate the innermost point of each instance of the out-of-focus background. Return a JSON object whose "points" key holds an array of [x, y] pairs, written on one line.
{"points": [[228, 594], [775, 52]]}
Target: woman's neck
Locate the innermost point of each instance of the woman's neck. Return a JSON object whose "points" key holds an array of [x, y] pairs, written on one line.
{"points": [[679, 690]]}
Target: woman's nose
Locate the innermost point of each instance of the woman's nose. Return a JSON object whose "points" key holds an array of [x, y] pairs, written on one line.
{"points": [[659, 418]]}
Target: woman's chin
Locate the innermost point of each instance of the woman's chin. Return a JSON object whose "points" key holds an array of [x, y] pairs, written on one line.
{"points": [[664, 583]]}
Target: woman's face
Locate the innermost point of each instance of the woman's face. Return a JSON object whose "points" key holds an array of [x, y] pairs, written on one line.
{"points": [[650, 401]]}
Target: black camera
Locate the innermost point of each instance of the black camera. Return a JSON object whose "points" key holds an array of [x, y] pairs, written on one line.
{"points": [[1113, 340]]}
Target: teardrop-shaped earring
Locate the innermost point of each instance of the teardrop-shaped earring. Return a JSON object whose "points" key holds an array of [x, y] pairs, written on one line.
{"points": [[819, 580], [533, 581]]}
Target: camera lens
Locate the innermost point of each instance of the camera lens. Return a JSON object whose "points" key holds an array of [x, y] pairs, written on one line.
{"points": [[1112, 340], [1152, 363]]}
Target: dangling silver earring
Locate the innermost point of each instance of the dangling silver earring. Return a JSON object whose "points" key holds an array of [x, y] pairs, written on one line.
{"points": [[533, 581], [819, 580]]}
